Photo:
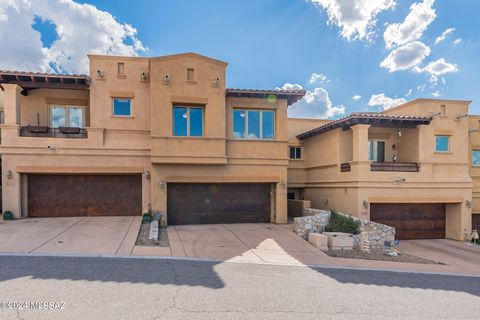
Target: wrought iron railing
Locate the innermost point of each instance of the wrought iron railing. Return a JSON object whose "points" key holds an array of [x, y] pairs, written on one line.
{"points": [[394, 166], [47, 132]]}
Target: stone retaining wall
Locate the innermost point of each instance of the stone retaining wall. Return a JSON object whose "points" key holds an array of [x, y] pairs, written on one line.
{"points": [[315, 220]]}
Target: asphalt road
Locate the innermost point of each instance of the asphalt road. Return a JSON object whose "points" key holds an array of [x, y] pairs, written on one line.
{"points": [[114, 288]]}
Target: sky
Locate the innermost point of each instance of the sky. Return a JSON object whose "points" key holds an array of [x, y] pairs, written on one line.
{"points": [[349, 55]]}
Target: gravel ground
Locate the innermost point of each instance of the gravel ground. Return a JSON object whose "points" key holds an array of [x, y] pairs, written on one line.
{"points": [[377, 255], [142, 238]]}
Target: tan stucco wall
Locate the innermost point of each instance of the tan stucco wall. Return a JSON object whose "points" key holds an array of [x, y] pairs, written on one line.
{"points": [[443, 177], [145, 141]]}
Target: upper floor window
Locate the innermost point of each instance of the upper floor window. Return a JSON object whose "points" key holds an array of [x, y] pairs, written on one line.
{"points": [[67, 116], [295, 152], [188, 121], [253, 124], [376, 150], [122, 107], [442, 143], [476, 158]]}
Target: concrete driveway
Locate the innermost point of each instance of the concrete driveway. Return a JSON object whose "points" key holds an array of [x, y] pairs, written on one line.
{"points": [[76, 235], [451, 253]]}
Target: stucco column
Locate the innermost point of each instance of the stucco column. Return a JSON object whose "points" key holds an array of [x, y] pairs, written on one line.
{"points": [[360, 142], [12, 104]]}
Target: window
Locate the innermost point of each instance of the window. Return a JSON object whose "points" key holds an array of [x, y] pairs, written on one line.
{"points": [[188, 121], [295, 152], [442, 143], [291, 196], [476, 157], [253, 124], [67, 116], [190, 74], [121, 68], [2, 117], [121, 107], [376, 150]]}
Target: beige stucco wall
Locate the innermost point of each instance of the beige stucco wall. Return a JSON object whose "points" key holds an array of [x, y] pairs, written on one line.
{"points": [[145, 141], [443, 177]]}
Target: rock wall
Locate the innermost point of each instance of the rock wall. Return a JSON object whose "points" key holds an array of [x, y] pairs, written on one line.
{"points": [[315, 220]]}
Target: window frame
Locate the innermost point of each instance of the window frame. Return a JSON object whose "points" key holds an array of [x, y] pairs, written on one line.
{"points": [[448, 143], [473, 163], [295, 152], [67, 114], [371, 148], [188, 133], [260, 111], [130, 115]]}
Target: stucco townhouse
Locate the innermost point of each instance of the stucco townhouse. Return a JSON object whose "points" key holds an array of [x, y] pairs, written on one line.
{"points": [[165, 134]]}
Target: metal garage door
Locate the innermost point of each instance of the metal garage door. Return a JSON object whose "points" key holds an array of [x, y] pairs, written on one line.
{"points": [[412, 220], [84, 195], [205, 203]]}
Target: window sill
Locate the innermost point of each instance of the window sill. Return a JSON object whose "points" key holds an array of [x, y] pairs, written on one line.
{"points": [[121, 76], [295, 159], [122, 117], [443, 152]]}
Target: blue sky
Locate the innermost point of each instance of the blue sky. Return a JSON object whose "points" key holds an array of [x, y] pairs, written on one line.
{"points": [[269, 43]]}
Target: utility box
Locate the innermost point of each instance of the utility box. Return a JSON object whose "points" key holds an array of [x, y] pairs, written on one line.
{"points": [[318, 240], [339, 240]]}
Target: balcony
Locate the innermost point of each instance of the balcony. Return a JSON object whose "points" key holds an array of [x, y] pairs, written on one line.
{"points": [[394, 166], [47, 132]]}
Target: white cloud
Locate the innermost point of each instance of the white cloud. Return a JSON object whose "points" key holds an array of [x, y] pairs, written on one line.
{"points": [[290, 86], [444, 35], [436, 94], [315, 104], [438, 68], [406, 57], [81, 29], [409, 93], [421, 87], [355, 18], [357, 97], [415, 23], [320, 78], [384, 101], [457, 41]]}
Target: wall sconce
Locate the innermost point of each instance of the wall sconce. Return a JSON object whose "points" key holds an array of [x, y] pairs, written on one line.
{"points": [[365, 204], [161, 184], [326, 203], [468, 203], [146, 174], [9, 175]]}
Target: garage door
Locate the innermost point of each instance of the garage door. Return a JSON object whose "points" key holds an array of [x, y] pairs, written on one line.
{"points": [[412, 221], [84, 195], [217, 203], [476, 222]]}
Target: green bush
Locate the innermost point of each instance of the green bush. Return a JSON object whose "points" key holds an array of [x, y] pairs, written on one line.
{"points": [[8, 215], [341, 223], [147, 217]]}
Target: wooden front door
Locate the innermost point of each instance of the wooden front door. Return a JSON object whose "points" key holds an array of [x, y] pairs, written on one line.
{"points": [[411, 220], [84, 195], [206, 203]]}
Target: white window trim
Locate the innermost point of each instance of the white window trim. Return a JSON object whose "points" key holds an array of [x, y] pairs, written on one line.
{"points": [[261, 124], [122, 116], [67, 114], [449, 147], [296, 147], [188, 121]]}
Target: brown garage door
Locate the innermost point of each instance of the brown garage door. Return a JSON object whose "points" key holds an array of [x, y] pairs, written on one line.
{"points": [[84, 195], [476, 221], [189, 203], [412, 220]]}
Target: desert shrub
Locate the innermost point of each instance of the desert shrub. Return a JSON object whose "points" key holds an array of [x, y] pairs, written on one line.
{"points": [[341, 223]]}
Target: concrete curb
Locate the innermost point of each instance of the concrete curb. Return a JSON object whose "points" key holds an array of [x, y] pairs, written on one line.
{"points": [[314, 266]]}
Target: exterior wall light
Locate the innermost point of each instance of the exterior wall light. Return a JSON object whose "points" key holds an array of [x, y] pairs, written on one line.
{"points": [[9, 175], [146, 174], [468, 203], [365, 204], [161, 184]]}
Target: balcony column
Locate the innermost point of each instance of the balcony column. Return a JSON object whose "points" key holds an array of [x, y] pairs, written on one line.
{"points": [[360, 142], [12, 104]]}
